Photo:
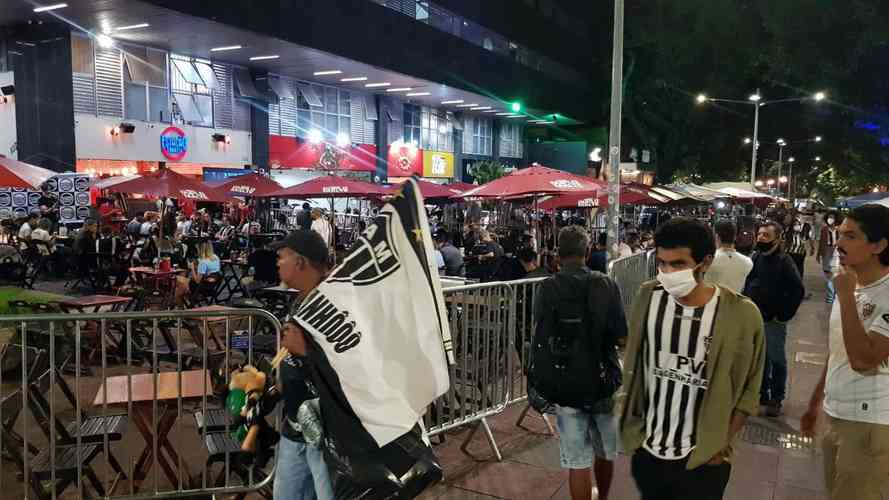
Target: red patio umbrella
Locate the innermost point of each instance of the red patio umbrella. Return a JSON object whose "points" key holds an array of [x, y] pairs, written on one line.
{"points": [[17, 174], [331, 186], [460, 187], [252, 184], [534, 181], [629, 195], [168, 184], [429, 190]]}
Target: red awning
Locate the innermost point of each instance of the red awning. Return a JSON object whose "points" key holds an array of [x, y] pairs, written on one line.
{"points": [[460, 187], [629, 195], [168, 184], [537, 180], [252, 184], [429, 190], [17, 174], [331, 186]]}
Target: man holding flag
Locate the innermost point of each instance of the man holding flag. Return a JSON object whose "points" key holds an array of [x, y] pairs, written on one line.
{"points": [[376, 332]]}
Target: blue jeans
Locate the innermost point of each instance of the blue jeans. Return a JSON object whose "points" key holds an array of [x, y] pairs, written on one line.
{"points": [[583, 434], [301, 473], [774, 375]]}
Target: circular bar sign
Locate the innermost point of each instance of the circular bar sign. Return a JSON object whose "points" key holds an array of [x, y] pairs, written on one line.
{"points": [[174, 144]]}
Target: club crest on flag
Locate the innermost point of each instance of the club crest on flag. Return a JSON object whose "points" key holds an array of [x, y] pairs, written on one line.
{"points": [[373, 257]]}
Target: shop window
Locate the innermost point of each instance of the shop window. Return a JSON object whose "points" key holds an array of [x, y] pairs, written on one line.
{"points": [[135, 102], [158, 105], [193, 81], [82, 60]]}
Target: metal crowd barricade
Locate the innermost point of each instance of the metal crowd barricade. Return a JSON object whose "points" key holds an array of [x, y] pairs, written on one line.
{"points": [[88, 385], [630, 273], [479, 317]]}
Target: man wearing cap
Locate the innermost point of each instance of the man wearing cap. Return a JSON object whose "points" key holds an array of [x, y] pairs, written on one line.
{"points": [[301, 472]]}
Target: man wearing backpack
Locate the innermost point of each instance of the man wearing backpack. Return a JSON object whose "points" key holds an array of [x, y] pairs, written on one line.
{"points": [[579, 321], [693, 369]]}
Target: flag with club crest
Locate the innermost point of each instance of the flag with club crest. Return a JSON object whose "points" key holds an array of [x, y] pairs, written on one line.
{"points": [[380, 320]]}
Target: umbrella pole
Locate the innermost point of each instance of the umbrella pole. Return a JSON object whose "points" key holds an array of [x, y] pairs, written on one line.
{"points": [[332, 241]]}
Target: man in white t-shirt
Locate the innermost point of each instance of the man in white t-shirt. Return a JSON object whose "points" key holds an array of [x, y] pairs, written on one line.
{"points": [[854, 389], [729, 268]]}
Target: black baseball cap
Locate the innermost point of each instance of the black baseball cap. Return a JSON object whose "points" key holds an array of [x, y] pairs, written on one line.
{"points": [[305, 242]]}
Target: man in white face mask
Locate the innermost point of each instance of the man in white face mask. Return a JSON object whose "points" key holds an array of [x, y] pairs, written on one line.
{"points": [[692, 371]]}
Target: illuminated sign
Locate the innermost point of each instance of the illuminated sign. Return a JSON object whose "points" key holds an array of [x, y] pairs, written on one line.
{"points": [[438, 164], [193, 195], [335, 189], [174, 144]]}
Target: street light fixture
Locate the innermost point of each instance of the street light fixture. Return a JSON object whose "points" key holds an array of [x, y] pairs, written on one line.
{"points": [[817, 138], [791, 159], [817, 158], [747, 140], [757, 101]]}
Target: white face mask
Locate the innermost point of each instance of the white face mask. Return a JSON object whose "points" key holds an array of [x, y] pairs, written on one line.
{"points": [[797, 228], [679, 284], [830, 221]]}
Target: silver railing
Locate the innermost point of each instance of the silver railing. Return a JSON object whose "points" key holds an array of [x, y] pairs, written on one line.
{"points": [[82, 392]]}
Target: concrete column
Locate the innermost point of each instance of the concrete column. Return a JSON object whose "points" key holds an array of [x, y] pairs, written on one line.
{"points": [[259, 124], [495, 135]]}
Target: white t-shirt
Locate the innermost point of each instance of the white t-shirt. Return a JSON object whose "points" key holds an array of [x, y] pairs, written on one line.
{"points": [[25, 231], [849, 395], [729, 269], [321, 226]]}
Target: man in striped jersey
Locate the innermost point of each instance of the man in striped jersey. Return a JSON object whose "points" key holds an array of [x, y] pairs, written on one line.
{"points": [[693, 370]]}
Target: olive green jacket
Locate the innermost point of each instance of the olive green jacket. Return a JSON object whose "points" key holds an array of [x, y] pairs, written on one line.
{"points": [[734, 372]]}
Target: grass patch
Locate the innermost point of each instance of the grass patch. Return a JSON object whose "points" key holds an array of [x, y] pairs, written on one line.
{"points": [[11, 293]]}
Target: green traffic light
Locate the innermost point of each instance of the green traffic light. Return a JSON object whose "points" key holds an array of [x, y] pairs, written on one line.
{"points": [[516, 107]]}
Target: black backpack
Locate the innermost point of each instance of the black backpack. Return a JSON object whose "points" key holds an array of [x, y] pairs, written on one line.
{"points": [[567, 351]]}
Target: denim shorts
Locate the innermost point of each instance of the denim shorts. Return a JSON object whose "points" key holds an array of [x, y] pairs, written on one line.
{"points": [[582, 434]]}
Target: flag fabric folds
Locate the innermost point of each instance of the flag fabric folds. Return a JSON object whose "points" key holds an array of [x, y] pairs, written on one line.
{"points": [[380, 320]]}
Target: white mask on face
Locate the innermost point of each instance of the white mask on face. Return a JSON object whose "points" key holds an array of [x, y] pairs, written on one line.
{"points": [[831, 220], [678, 283], [797, 227]]}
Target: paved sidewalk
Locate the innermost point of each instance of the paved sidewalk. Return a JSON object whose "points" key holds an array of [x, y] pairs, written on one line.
{"points": [[773, 461]]}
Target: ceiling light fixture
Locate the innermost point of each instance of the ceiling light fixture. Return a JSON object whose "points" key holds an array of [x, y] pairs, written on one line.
{"points": [[354, 79], [398, 89], [517, 116], [480, 108], [416, 94], [328, 72], [105, 41], [504, 114], [132, 27], [264, 58], [491, 111], [225, 48], [458, 101], [47, 8], [468, 105], [375, 85], [315, 136]]}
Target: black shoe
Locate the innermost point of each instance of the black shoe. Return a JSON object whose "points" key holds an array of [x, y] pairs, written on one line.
{"points": [[773, 409]]}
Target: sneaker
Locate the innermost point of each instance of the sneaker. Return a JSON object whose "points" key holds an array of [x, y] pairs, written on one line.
{"points": [[773, 409]]}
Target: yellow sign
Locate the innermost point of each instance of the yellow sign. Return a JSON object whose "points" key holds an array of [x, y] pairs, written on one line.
{"points": [[438, 164]]}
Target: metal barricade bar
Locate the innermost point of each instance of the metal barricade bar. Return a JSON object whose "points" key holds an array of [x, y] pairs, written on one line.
{"points": [[132, 380]]}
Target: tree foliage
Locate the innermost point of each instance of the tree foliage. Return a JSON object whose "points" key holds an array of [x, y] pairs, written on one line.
{"points": [[731, 48]]}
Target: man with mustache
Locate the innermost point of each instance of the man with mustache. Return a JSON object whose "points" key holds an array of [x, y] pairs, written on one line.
{"points": [[776, 288], [854, 388]]}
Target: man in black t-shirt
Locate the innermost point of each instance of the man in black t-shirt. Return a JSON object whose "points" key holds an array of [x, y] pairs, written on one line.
{"points": [[302, 473]]}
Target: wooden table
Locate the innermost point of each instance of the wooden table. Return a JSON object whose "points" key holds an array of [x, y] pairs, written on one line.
{"points": [[94, 302], [212, 323], [195, 384]]}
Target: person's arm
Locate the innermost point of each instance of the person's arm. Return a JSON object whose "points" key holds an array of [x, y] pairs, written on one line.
{"points": [[616, 322], [795, 289], [810, 418], [821, 236], [866, 350]]}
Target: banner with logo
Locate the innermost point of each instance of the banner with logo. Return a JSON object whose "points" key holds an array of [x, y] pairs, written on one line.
{"points": [[438, 164], [388, 355], [404, 160]]}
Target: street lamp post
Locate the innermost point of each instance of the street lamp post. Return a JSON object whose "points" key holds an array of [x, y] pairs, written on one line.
{"points": [[756, 101]]}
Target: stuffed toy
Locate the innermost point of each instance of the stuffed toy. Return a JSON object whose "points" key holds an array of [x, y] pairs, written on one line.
{"points": [[248, 401]]}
